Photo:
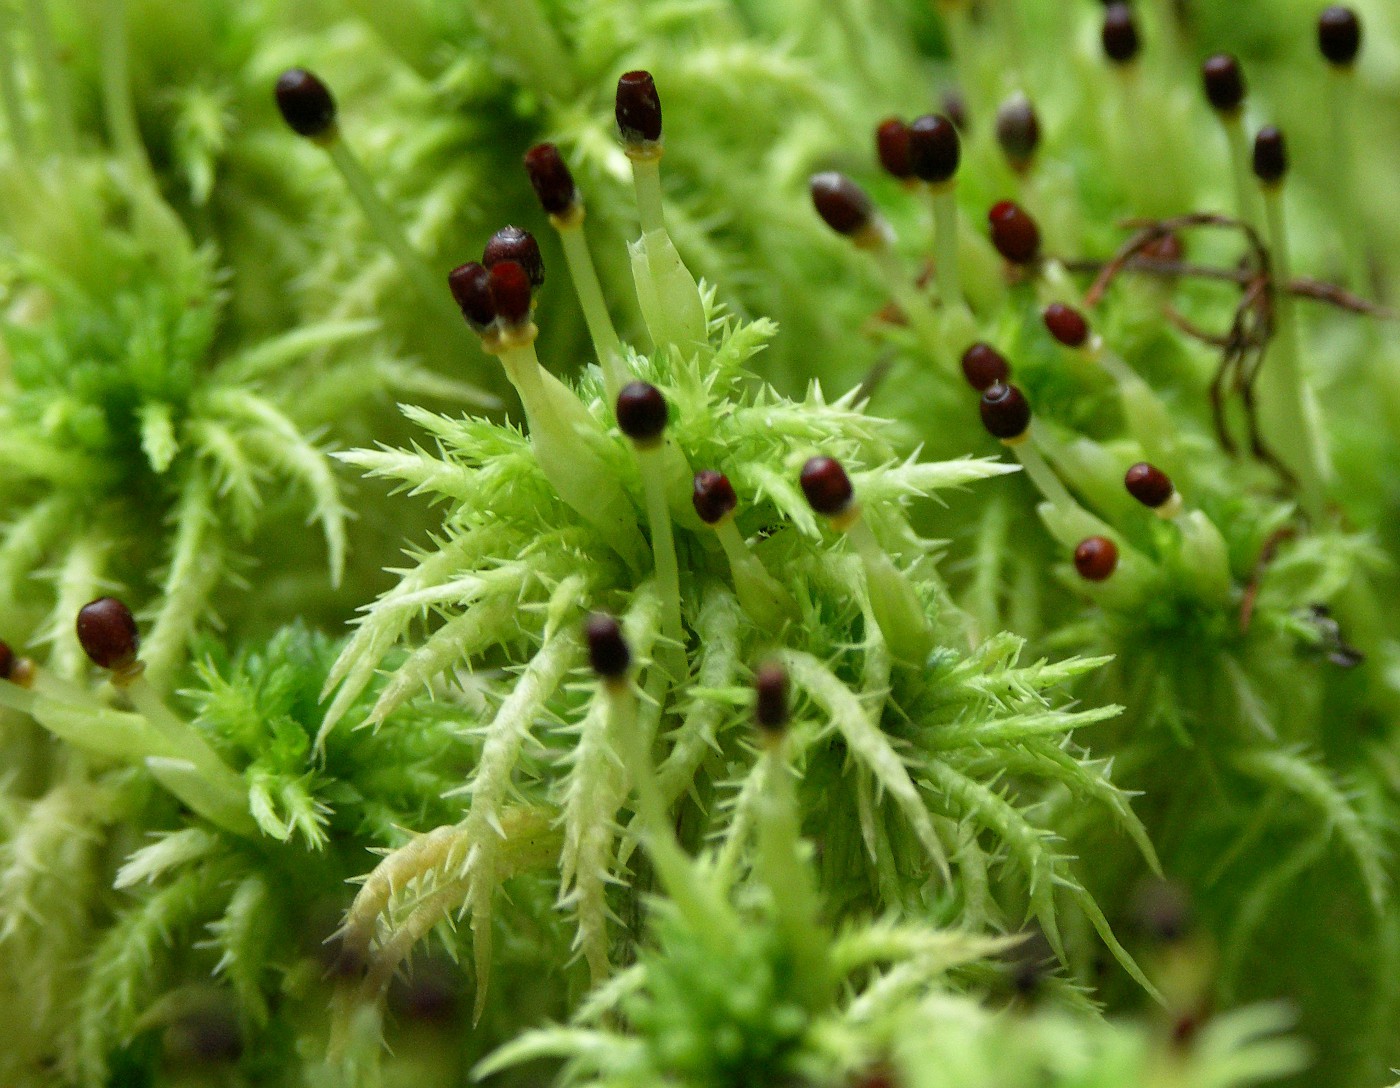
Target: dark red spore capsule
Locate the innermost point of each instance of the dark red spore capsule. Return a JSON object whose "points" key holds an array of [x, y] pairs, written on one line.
{"points": [[934, 148], [1096, 558], [1270, 155], [1149, 485], [713, 496], [470, 284], [826, 485], [1014, 232], [518, 245], [107, 633], [1005, 411], [1339, 35], [550, 178], [641, 411], [608, 652], [306, 103], [983, 365], [770, 684], [510, 292], [638, 108], [1018, 131], [842, 203], [892, 147], [1066, 324], [7, 660], [1121, 43], [1224, 82]]}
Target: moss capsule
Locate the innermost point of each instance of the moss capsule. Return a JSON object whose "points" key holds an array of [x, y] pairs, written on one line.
{"points": [[1066, 324], [1270, 155], [826, 485], [1121, 43], [892, 147], [641, 412], [470, 284], [1339, 35], [983, 366], [1149, 485], [1005, 411], [842, 204], [1096, 558], [1018, 131], [1014, 232], [518, 245], [107, 633], [1224, 83], [771, 710], [510, 292], [713, 496], [551, 179], [934, 148], [638, 108], [608, 652], [306, 103]]}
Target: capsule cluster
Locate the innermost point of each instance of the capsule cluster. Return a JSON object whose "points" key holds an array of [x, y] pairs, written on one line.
{"points": [[496, 294]]}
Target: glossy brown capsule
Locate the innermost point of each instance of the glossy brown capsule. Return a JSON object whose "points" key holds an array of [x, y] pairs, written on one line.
{"points": [[608, 652], [510, 292], [1014, 232], [641, 412], [770, 685], [638, 108], [518, 245], [892, 147], [470, 284], [841, 203], [983, 366], [827, 487], [551, 179], [1005, 411], [1121, 43], [1270, 155], [1149, 485], [934, 148], [1224, 83], [107, 633], [1066, 324], [1339, 35], [1018, 131], [1096, 558], [713, 496], [305, 102]]}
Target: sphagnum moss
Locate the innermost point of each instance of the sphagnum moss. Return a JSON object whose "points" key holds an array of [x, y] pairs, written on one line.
{"points": [[896, 878]]}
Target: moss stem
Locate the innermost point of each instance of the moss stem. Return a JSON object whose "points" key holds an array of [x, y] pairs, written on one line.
{"points": [[386, 226], [1341, 87], [663, 551], [116, 92], [1241, 172], [16, 121], [53, 86], [606, 344], [1291, 413]]}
